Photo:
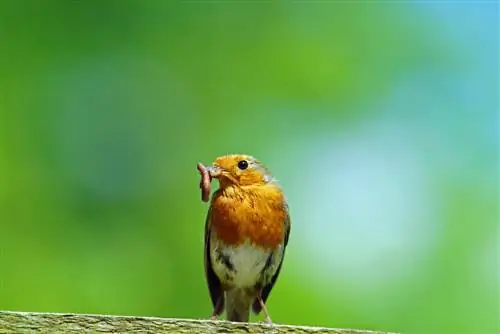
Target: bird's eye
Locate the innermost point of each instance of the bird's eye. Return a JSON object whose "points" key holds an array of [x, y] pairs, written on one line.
{"points": [[243, 164]]}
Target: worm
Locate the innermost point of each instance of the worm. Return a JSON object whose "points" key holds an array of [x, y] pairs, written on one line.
{"points": [[204, 182]]}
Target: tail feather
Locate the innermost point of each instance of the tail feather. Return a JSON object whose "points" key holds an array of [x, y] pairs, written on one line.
{"points": [[238, 305]]}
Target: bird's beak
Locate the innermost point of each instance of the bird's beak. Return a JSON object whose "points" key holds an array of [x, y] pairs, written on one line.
{"points": [[214, 171]]}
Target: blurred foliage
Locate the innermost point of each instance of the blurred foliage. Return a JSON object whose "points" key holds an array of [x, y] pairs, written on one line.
{"points": [[106, 106]]}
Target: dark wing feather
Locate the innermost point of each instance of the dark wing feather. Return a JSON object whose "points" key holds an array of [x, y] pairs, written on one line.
{"points": [[214, 285], [266, 290]]}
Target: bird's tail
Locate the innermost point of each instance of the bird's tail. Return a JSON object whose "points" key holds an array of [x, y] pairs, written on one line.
{"points": [[238, 305]]}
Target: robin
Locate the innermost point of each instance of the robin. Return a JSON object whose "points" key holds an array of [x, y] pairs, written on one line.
{"points": [[246, 233]]}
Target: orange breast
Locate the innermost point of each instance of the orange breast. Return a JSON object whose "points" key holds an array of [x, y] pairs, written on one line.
{"points": [[255, 214]]}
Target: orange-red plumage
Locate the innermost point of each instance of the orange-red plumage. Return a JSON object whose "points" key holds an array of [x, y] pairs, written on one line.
{"points": [[257, 215], [246, 233]]}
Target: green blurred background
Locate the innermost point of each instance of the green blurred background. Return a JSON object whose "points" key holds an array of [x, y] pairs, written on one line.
{"points": [[380, 120]]}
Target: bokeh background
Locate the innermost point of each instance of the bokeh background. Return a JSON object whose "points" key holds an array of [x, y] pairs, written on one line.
{"points": [[380, 119]]}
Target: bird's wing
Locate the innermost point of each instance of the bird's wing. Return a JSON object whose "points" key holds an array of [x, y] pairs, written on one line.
{"points": [[214, 285], [266, 290]]}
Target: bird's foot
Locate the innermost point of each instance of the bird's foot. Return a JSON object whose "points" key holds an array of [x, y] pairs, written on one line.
{"points": [[217, 309], [267, 320]]}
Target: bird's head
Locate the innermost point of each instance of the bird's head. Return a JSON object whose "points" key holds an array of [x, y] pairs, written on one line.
{"points": [[239, 170]]}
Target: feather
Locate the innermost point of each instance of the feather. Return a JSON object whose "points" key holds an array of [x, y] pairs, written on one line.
{"points": [[213, 282], [266, 290]]}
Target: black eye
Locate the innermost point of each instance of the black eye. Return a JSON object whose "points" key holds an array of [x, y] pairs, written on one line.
{"points": [[243, 164]]}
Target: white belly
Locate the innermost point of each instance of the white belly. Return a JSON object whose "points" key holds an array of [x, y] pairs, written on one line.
{"points": [[247, 263]]}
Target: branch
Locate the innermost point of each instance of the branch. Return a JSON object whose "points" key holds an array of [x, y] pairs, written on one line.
{"points": [[28, 322]]}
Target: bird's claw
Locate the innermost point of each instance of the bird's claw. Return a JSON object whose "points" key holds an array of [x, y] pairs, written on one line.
{"points": [[267, 320]]}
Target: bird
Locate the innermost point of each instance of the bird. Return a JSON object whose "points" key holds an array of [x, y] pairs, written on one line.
{"points": [[247, 228]]}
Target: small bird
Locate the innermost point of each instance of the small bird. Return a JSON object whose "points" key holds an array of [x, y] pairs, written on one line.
{"points": [[246, 234]]}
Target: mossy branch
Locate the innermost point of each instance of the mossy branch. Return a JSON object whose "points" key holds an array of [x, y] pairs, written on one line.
{"points": [[29, 322]]}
